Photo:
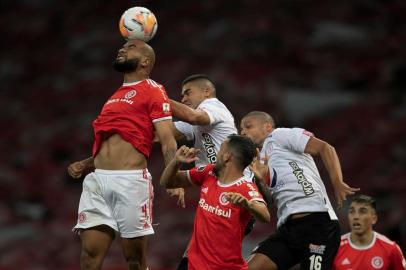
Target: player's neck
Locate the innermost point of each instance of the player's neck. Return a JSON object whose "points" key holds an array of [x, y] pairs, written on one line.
{"points": [[134, 77], [362, 239], [229, 175]]}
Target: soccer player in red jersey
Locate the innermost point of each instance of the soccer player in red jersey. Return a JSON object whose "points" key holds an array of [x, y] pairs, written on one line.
{"points": [[226, 203], [363, 248], [118, 195]]}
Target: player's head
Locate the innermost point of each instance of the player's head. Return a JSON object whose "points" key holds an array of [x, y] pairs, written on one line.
{"points": [[238, 150], [256, 126], [362, 214], [197, 88], [135, 56]]}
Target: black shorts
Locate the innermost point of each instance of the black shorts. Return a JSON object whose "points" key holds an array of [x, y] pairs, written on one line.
{"points": [[312, 241]]}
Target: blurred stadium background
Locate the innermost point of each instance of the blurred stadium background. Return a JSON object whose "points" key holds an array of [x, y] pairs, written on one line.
{"points": [[337, 68]]}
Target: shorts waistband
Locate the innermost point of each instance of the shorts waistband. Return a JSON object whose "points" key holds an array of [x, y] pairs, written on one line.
{"points": [[121, 172]]}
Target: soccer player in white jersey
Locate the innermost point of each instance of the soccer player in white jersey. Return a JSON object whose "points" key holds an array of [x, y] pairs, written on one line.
{"points": [[203, 119], [363, 248], [307, 231]]}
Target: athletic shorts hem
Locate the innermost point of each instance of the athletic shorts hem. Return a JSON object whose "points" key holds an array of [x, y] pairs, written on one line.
{"points": [[77, 228], [137, 234]]}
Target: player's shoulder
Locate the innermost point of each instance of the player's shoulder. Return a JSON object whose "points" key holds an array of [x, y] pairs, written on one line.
{"points": [[384, 240], [345, 239]]}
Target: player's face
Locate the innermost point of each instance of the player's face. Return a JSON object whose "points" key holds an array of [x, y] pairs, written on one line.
{"points": [[254, 129], [128, 57], [221, 156], [192, 95], [361, 218]]}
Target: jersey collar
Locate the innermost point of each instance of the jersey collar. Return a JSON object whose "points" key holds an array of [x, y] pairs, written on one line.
{"points": [[354, 246]]}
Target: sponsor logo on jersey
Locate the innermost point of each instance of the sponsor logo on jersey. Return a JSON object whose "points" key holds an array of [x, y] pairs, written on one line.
{"points": [[318, 249], [223, 198], [377, 262], [209, 147], [130, 94], [166, 107], [214, 209], [301, 178]]}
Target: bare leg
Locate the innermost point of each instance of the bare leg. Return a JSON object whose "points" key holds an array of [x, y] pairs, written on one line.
{"points": [[258, 261], [134, 252], [96, 242]]}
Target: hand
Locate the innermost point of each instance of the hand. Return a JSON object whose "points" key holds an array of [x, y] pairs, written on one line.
{"points": [[180, 192], [76, 169], [186, 155], [342, 190], [237, 199], [260, 167]]}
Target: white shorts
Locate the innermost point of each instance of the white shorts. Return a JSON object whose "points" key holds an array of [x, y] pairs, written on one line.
{"points": [[119, 199]]}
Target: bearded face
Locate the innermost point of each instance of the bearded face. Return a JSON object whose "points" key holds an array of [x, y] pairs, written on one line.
{"points": [[124, 65]]}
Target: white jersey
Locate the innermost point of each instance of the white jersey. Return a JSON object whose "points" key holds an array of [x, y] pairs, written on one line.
{"points": [[208, 138], [296, 184]]}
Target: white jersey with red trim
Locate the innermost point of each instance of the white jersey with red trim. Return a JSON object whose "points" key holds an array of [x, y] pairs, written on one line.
{"points": [[208, 138], [295, 182], [382, 254]]}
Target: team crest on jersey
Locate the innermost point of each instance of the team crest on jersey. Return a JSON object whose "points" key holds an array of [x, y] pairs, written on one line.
{"points": [[166, 107], [130, 94], [223, 198], [377, 262]]}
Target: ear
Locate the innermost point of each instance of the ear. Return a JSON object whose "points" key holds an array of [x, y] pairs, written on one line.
{"points": [[144, 61], [268, 127], [207, 92], [227, 157], [374, 219]]}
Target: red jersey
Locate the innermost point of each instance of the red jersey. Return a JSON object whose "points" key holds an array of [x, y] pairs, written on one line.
{"points": [[219, 225], [381, 254], [131, 112]]}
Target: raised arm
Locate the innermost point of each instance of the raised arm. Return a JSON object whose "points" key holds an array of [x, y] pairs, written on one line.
{"points": [[189, 115], [172, 177], [164, 133], [317, 147]]}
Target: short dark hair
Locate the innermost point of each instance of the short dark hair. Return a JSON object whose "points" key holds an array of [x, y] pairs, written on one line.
{"points": [[243, 149], [365, 199], [196, 77], [263, 116]]}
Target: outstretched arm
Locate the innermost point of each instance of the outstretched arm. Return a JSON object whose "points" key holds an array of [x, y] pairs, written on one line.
{"points": [[189, 115], [330, 160]]}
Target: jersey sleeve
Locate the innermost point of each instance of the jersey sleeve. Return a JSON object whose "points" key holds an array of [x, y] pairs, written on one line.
{"points": [[186, 129], [294, 139], [397, 259], [199, 174], [159, 108], [250, 191], [215, 113]]}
